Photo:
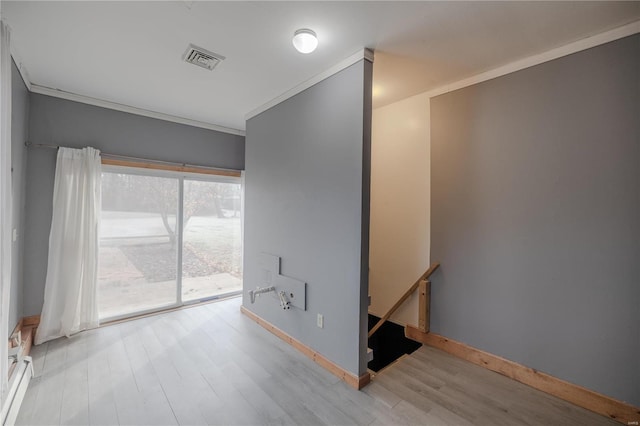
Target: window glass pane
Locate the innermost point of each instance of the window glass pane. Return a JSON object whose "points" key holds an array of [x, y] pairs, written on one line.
{"points": [[212, 252], [138, 244]]}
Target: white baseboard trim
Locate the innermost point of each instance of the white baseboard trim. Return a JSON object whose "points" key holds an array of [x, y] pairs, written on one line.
{"points": [[18, 385]]}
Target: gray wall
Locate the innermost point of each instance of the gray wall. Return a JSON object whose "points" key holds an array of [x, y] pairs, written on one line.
{"points": [[536, 217], [19, 134], [306, 199], [66, 123]]}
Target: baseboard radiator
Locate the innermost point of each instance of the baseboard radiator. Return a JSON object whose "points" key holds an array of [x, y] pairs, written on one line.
{"points": [[18, 384]]}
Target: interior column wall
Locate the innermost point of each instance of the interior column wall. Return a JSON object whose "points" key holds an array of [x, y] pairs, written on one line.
{"points": [[306, 199]]}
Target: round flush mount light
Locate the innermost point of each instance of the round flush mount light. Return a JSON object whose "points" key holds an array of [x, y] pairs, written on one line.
{"points": [[305, 40]]}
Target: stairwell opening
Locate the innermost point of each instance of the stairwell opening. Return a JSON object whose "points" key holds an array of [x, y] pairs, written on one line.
{"points": [[388, 344]]}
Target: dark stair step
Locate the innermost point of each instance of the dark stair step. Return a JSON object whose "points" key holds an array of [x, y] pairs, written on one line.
{"points": [[388, 344]]}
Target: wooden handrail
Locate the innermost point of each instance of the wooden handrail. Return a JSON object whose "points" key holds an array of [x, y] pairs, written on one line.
{"points": [[405, 296]]}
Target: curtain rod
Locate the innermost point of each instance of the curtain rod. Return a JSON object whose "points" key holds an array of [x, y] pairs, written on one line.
{"points": [[138, 159]]}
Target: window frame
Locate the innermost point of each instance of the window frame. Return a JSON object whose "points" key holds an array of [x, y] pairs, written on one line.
{"points": [[189, 173]]}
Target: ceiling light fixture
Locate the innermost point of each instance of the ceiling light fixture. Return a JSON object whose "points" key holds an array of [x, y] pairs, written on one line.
{"points": [[305, 40]]}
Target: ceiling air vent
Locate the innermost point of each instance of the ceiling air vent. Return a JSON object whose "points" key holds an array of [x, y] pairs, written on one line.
{"points": [[203, 58]]}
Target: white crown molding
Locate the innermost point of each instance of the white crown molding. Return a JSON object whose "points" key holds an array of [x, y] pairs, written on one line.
{"points": [[43, 90], [549, 55], [57, 93], [369, 55], [21, 69], [365, 54]]}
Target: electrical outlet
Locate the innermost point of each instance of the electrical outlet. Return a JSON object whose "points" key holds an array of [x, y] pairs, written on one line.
{"points": [[320, 321]]}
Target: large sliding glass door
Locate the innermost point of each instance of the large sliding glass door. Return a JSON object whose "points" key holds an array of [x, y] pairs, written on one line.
{"points": [[166, 239], [211, 249]]}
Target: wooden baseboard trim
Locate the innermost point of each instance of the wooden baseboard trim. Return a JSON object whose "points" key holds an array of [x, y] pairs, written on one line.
{"points": [[28, 333], [350, 379], [17, 328], [32, 321], [578, 395], [29, 325], [26, 326]]}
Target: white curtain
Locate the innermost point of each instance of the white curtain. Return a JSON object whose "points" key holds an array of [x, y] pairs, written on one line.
{"points": [[70, 294], [5, 200]]}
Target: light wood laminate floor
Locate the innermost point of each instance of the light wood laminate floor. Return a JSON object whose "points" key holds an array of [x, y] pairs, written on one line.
{"points": [[211, 365]]}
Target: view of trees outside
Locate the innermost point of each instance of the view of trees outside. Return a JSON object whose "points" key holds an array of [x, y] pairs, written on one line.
{"points": [[212, 240], [139, 247]]}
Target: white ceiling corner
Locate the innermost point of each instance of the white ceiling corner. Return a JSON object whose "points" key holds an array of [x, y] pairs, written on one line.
{"points": [[365, 54], [129, 53]]}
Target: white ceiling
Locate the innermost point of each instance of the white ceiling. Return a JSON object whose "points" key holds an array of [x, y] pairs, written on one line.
{"points": [[130, 52]]}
